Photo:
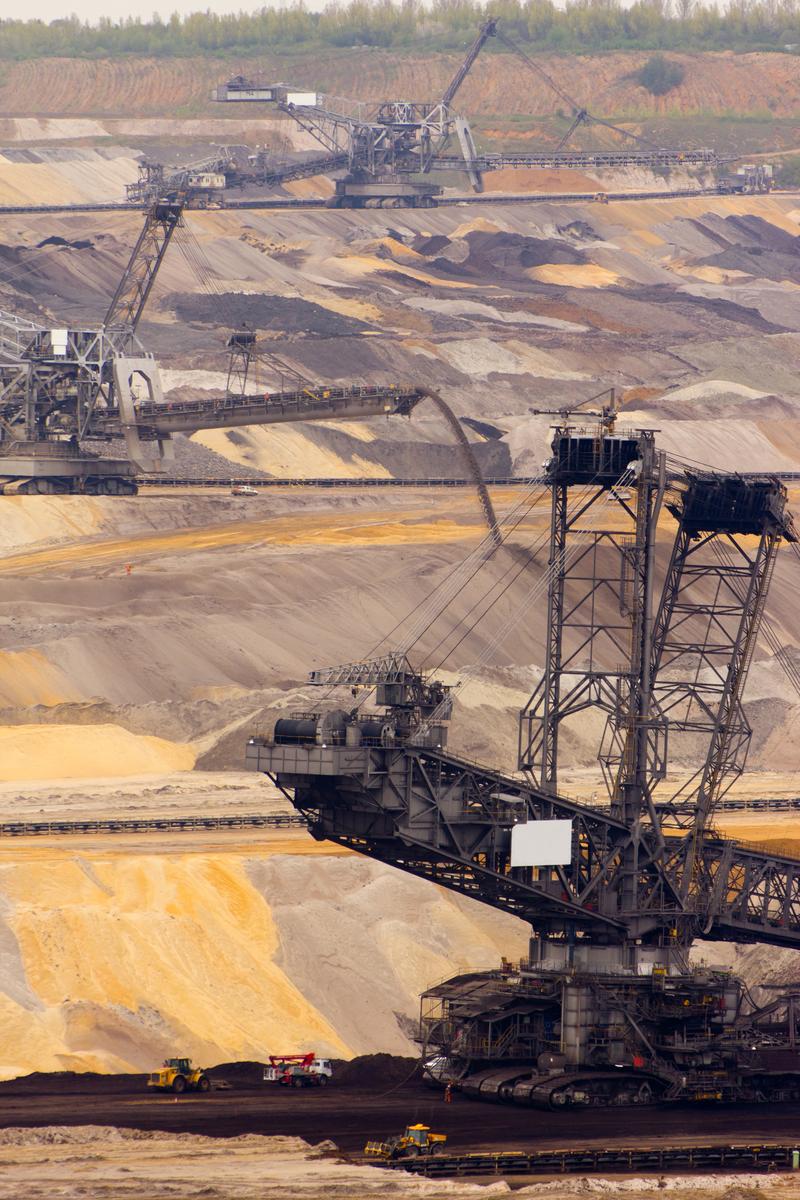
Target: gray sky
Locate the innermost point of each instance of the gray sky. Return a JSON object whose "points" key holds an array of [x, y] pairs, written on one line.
{"points": [[91, 10]]}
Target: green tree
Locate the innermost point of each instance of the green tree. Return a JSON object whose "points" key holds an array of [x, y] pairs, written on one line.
{"points": [[659, 75]]}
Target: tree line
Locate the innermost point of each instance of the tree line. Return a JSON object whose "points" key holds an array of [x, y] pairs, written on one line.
{"points": [[582, 26]]}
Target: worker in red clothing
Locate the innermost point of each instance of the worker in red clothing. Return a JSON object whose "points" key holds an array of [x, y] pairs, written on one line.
{"points": [[448, 1094]]}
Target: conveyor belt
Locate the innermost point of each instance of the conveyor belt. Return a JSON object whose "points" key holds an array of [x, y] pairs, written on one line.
{"points": [[647, 1159], [259, 821], [276, 202], [152, 825], [261, 482]]}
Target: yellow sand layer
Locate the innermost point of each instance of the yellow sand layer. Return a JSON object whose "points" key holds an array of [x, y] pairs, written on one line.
{"points": [[348, 307], [635, 215], [365, 264], [776, 832], [35, 183], [328, 529], [78, 751], [287, 450], [29, 519], [711, 274], [131, 955], [27, 678], [117, 956], [574, 275], [525, 179], [317, 185], [474, 225]]}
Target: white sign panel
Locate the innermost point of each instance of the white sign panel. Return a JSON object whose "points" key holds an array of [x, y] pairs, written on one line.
{"points": [[541, 844], [306, 99]]}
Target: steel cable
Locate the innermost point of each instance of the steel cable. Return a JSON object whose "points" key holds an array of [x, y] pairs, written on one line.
{"points": [[428, 610], [532, 594]]}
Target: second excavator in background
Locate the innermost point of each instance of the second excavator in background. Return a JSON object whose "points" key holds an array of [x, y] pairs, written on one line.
{"points": [[387, 148], [68, 393]]}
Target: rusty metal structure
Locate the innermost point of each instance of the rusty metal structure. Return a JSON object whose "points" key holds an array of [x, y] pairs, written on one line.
{"points": [[607, 1008]]}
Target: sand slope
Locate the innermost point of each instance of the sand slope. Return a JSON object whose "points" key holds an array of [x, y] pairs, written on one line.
{"points": [[720, 82], [76, 751], [113, 958]]}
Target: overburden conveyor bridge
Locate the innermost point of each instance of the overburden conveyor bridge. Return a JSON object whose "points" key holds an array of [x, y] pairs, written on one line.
{"points": [[607, 1008]]}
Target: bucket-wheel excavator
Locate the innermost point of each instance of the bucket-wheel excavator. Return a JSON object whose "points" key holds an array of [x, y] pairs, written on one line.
{"points": [[607, 1008], [65, 391], [385, 148]]}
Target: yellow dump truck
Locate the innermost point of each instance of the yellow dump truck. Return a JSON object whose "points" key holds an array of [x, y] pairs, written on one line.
{"points": [[178, 1075], [417, 1141]]}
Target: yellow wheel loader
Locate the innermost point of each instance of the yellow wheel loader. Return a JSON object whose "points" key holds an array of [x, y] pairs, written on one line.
{"points": [[178, 1075], [417, 1141]]}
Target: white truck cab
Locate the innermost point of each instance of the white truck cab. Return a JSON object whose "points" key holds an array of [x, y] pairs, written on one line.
{"points": [[298, 1070]]}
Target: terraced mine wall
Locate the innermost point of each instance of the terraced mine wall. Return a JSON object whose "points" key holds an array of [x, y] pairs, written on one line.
{"points": [[689, 307], [95, 89]]}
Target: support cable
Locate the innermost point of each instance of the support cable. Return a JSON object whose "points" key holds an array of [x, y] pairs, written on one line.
{"points": [[517, 569], [771, 636], [460, 579], [198, 262], [432, 606], [627, 479], [581, 114]]}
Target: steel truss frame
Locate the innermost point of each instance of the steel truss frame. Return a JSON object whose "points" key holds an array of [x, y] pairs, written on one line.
{"points": [[633, 876], [578, 159], [134, 287], [55, 390], [599, 616], [711, 608], [400, 138], [52, 387], [442, 818], [393, 137]]}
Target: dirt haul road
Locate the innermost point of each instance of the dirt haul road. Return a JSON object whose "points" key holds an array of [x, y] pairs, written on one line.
{"points": [[392, 527], [350, 1115]]}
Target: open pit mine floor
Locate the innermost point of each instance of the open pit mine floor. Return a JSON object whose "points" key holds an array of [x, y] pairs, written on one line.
{"points": [[374, 1107]]}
